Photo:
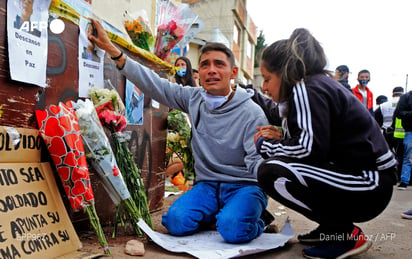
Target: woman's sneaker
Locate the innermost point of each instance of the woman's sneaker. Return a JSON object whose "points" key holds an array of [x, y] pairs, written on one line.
{"points": [[354, 244], [407, 214], [402, 186], [313, 236]]}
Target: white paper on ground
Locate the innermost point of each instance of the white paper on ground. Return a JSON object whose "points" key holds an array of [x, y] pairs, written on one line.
{"points": [[209, 244]]}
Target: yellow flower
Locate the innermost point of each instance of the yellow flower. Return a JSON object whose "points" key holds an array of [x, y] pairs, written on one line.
{"points": [[173, 137], [129, 25], [183, 143], [138, 28]]}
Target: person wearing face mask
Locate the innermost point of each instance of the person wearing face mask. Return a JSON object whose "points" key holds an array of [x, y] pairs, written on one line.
{"points": [[184, 73], [342, 76], [330, 162], [362, 92], [225, 193]]}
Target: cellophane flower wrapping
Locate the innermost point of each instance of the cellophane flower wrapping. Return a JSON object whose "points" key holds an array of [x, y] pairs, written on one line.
{"points": [[101, 157], [178, 141], [173, 23], [98, 151], [110, 110], [58, 125], [138, 28]]}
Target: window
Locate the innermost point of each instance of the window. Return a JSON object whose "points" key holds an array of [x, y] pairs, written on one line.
{"points": [[249, 49], [236, 34]]}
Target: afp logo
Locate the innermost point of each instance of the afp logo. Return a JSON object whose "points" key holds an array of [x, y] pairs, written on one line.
{"points": [[56, 26]]}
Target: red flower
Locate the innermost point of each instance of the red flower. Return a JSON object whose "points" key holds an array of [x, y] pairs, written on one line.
{"points": [[121, 123], [107, 117]]}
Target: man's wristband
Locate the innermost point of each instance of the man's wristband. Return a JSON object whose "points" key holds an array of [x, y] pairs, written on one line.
{"points": [[118, 57]]}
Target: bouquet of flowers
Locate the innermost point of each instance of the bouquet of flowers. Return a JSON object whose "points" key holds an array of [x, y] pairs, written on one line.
{"points": [[110, 110], [173, 23], [101, 157], [139, 29], [60, 130], [178, 141]]}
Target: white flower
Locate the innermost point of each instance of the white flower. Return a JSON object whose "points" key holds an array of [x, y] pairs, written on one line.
{"points": [[99, 151]]}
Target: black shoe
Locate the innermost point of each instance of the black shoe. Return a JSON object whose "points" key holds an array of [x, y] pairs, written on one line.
{"points": [[340, 248], [267, 217], [402, 186], [313, 236]]}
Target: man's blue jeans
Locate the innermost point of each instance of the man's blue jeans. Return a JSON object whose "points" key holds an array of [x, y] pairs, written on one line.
{"points": [[235, 208], [407, 158]]}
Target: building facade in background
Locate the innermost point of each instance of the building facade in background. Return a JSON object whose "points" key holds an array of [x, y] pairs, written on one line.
{"points": [[226, 21]]}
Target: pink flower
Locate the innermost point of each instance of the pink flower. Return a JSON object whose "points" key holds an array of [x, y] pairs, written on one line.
{"points": [[107, 117], [121, 123]]}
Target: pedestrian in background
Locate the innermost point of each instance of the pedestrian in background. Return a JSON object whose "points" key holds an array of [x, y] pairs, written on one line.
{"points": [[184, 73], [384, 116], [342, 76], [196, 77], [403, 112], [332, 163], [381, 99], [362, 92]]}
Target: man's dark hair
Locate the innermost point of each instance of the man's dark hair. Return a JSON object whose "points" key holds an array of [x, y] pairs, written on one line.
{"points": [[397, 91], [381, 99], [215, 46], [343, 68], [364, 71]]}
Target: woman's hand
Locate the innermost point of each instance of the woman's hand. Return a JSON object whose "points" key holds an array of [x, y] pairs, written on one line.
{"points": [[269, 131]]}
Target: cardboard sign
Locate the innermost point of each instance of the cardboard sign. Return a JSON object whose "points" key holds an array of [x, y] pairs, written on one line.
{"points": [[19, 145], [33, 218]]}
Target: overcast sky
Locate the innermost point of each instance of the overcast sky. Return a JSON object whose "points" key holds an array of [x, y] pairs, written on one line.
{"points": [[362, 34]]}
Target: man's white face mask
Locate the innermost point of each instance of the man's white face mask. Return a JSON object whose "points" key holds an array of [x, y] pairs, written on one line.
{"points": [[215, 101]]}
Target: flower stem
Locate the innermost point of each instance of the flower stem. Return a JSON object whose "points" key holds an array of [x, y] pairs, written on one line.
{"points": [[137, 206], [97, 227]]}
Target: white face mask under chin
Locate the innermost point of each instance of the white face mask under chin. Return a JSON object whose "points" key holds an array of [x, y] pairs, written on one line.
{"points": [[215, 101]]}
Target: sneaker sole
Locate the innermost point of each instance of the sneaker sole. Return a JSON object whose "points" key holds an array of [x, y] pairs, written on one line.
{"points": [[356, 251], [402, 188], [404, 216]]}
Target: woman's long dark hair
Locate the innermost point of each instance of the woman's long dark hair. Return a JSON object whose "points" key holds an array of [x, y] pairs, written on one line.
{"points": [[294, 59], [188, 78]]}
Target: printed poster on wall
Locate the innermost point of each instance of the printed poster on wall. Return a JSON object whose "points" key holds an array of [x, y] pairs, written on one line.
{"points": [[134, 104], [91, 59], [27, 23]]}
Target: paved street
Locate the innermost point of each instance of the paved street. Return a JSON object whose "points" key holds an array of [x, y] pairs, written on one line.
{"points": [[390, 234]]}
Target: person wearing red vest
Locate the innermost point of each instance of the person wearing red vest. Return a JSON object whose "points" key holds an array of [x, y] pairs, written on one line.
{"points": [[362, 92]]}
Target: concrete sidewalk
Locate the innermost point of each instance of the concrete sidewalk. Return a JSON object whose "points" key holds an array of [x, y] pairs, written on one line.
{"points": [[391, 235]]}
